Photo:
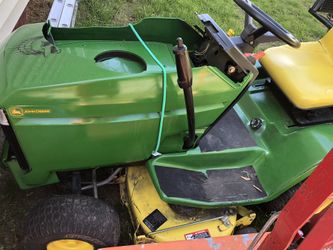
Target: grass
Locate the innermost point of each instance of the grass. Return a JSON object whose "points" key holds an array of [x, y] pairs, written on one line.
{"points": [[293, 14]]}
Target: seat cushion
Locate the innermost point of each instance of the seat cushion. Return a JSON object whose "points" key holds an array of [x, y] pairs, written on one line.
{"points": [[305, 75]]}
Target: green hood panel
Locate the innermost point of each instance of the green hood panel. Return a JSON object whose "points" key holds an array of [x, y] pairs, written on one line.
{"points": [[28, 60], [69, 112]]}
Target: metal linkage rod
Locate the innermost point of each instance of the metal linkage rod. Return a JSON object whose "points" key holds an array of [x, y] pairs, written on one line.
{"points": [[104, 182]]}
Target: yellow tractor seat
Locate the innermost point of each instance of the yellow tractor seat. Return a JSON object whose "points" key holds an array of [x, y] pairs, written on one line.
{"points": [[305, 75]]}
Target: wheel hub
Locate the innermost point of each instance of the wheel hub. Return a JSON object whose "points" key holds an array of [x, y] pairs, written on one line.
{"points": [[69, 245]]}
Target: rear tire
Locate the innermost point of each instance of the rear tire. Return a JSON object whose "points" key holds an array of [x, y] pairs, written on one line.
{"points": [[71, 217]]}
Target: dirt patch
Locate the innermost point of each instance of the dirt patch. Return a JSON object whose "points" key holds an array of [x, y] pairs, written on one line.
{"points": [[14, 204], [38, 10]]}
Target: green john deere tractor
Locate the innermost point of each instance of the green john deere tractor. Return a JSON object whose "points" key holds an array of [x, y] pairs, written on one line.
{"points": [[194, 124]]}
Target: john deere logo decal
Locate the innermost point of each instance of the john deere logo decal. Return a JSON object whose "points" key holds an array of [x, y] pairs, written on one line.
{"points": [[16, 111]]}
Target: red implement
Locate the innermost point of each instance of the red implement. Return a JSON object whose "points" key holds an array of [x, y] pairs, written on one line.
{"points": [[237, 242], [301, 208]]}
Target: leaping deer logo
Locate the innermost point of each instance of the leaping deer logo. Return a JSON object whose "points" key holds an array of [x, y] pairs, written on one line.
{"points": [[16, 112]]}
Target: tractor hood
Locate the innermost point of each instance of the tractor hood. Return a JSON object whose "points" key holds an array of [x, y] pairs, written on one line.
{"points": [[71, 56], [91, 97]]}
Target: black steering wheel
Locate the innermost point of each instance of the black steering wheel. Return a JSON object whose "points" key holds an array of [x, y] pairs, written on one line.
{"points": [[268, 23]]}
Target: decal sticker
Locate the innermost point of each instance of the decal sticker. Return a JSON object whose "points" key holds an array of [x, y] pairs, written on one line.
{"points": [[17, 111], [197, 235], [154, 220]]}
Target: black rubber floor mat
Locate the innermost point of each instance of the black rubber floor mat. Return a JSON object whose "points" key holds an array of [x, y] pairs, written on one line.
{"points": [[224, 185], [229, 132]]}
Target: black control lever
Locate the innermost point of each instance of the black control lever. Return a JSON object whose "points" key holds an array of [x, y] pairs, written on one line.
{"points": [[184, 72]]}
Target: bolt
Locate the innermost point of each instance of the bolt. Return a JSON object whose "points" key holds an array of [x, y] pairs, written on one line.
{"points": [[256, 123], [180, 42], [231, 70], [225, 220]]}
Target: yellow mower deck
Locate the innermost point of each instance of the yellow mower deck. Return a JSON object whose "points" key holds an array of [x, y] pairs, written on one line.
{"points": [[161, 222]]}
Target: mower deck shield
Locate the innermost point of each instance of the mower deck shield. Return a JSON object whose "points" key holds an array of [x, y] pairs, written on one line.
{"points": [[161, 221]]}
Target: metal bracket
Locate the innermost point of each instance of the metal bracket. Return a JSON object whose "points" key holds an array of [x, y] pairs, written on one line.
{"points": [[246, 217], [63, 13]]}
